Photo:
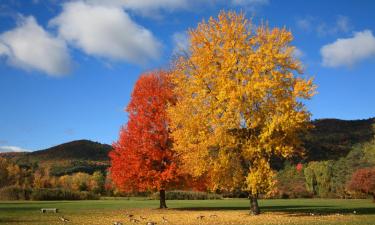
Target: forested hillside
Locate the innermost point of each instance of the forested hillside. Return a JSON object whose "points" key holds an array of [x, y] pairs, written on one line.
{"points": [[334, 138], [329, 139], [76, 156], [335, 149]]}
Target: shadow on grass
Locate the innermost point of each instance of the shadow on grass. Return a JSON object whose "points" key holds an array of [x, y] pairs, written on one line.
{"points": [[295, 209], [17, 220]]}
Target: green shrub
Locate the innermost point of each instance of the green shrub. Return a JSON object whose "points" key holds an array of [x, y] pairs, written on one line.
{"points": [[14, 193], [45, 194], [86, 195], [291, 183], [237, 193], [186, 195]]}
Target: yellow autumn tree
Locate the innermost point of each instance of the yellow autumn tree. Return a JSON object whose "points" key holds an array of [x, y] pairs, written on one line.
{"points": [[240, 102]]}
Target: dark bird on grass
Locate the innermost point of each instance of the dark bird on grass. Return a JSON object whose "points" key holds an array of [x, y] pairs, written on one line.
{"points": [[200, 217], [64, 219], [117, 223], [165, 220], [151, 223], [212, 216], [129, 215], [134, 220], [143, 218]]}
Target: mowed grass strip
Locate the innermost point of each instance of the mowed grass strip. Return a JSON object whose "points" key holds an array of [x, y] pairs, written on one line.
{"points": [[186, 212]]}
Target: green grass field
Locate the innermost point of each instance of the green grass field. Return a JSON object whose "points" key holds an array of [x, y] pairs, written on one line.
{"points": [[231, 211]]}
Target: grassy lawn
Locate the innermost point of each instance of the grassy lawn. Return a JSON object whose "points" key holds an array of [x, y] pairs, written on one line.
{"points": [[233, 211]]}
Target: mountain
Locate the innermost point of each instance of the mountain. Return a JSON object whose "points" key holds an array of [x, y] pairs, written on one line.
{"points": [[329, 139], [75, 150], [76, 156], [334, 138]]}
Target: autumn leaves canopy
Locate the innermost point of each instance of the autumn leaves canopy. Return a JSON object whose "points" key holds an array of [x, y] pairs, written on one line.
{"points": [[219, 115]]}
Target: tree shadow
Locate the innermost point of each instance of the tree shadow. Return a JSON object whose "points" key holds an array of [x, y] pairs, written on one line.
{"points": [[294, 210], [264, 208], [318, 210], [17, 220]]}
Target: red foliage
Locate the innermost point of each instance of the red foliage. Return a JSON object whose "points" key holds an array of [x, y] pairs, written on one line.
{"points": [[299, 167], [363, 180], [142, 159]]}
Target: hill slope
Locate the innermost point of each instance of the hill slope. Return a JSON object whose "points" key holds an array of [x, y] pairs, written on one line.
{"points": [[75, 150], [330, 139], [334, 138], [76, 156]]}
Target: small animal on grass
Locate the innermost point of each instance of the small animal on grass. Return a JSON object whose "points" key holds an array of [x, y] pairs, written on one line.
{"points": [[200, 217], [212, 216], [355, 212], [143, 218], [165, 219], [134, 220], [129, 215], [117, 223], [151, 223], [64, 219]]}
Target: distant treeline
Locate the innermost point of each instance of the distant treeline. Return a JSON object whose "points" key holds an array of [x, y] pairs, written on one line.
{"points": [[326, 178], [335, 149]]}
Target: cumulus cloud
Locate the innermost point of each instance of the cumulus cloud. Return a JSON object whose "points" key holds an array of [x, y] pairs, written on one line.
{"points": [[4, 50], [181, 42], [349, 51], [30, 47], [12, 149], [101, 28], [105, 31]]}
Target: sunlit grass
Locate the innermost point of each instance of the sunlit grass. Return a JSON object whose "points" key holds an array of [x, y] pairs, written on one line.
{"points": [[235, 211]]}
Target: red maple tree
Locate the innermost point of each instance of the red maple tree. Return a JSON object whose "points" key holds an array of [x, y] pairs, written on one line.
{"points": [[363, 180], [142, 159]]}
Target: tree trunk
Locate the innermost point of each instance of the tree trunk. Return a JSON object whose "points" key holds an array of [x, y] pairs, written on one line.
{"points": [[254, 207], [163, 205]]}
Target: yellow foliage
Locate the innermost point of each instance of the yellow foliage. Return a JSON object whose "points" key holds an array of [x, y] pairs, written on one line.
{"points": [[239, 102]]}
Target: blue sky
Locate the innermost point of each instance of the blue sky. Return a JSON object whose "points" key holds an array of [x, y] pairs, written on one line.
{"points": [[67, 67]]}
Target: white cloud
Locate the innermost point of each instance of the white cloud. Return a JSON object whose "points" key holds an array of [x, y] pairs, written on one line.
{"points": [[343, 24], [305, 23], [4, 50], [151, 8], [349, 51], [12, 149], [146, 7], [250, 2], [298, 53], [30, 47], [251, 5], [106, 31], [321, 28], [181, 42]]}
